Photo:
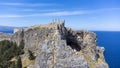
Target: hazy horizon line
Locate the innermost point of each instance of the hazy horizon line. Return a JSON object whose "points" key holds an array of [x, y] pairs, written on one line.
{"points": [[65, 26]]}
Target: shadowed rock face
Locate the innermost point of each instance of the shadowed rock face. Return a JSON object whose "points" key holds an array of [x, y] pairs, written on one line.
{"points": [[56, 46]]}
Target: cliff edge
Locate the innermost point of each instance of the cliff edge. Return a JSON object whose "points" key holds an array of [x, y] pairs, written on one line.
{"points": [[4, 36], [56, 46]]}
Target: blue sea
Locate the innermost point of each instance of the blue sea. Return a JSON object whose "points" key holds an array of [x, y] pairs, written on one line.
{"points": [[9, 32], [111, 41]]}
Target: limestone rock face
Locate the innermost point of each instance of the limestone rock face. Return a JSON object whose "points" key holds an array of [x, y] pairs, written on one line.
{"points": [[4, 36], [56, 46]]}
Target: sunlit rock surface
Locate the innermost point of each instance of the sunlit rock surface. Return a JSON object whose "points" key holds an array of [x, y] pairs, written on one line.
{"points": [[56, 46], [4, 36]]}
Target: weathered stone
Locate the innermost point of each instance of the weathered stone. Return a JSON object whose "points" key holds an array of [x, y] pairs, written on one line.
{"points": [[56, 46], [4, 36]]}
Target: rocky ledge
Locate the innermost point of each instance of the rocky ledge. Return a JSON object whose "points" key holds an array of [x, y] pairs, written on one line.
{"points": [[56, 46], [4, 36]]}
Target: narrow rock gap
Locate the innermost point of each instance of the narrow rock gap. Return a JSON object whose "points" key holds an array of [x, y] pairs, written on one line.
{"points": [[71, 41], [73, 45]]}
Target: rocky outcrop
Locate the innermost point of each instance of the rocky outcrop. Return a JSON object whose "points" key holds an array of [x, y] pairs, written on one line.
{"points": [[56, 46], [4, 36]]}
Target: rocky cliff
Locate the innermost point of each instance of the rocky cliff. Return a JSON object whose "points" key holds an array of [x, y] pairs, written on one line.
{"points": [[4, 36], [56, 46]]}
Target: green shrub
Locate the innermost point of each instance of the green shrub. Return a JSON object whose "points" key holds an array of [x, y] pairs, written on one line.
{"points": [[9, 50], [31, 56], [19, 63], [21, 46]]}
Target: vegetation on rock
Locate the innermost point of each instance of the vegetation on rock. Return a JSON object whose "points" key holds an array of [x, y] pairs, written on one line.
{"points": [[19, 63], [31, 56], [9, 50]]}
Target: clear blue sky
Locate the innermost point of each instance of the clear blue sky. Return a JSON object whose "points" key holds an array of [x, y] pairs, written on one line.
{"points": [[78, 14]]}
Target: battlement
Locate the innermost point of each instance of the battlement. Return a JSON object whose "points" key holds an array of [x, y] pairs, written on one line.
{"points": [[56, 23]]}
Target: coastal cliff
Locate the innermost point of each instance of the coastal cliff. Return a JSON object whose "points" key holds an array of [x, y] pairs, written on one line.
{"points": [[56, 46], [4, 36]]}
